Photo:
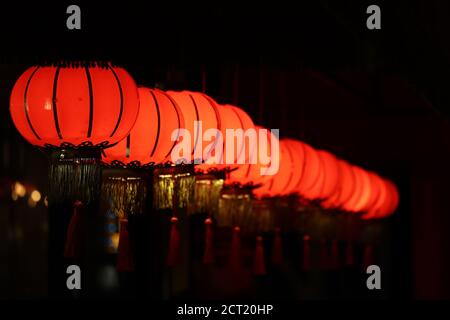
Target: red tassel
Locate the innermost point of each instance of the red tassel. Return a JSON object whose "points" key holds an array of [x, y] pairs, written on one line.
{"points": [[124, 257], [260, 266], [306, 263], [277, 253], [334, 261], [235, 252], [349, 255], [324, 262], [368, 256], [208, 256], [174, 243], [74, 234]]}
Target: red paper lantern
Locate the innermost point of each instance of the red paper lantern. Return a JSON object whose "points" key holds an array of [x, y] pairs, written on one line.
{"points": [[231, 118], [386, 203], [311, 174], [331, 174], [375, 191], [55, 105], [254, 172], [365, 192], [395, 199], [259, 174], [345, 188], [150, 140], [197, 107], [358, 190], [297, 154], [281, 179]]}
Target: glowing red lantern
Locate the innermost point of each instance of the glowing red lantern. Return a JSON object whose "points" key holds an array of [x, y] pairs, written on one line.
{"points": [[200, 114], [261, 174], [255, 172], [311, 173], [281, 179], [150, 140], [331, 174], [297, 154], [54, 105], [358, 190], [365, 190], [75, 109], [345, 188], [387, 200], [395, 199]]}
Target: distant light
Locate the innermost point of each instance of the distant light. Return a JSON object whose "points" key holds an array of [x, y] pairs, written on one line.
{"points": [[36, 196], [46, 201], [31, 203], [19, 189], [14, 195]]}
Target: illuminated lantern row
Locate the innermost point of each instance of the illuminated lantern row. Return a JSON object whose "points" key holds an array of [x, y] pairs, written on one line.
{"points": [[317, 175], [82, 112]]}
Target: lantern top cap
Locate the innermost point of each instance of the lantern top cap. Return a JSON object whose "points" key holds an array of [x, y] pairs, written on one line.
{"points": [[63, 63]]}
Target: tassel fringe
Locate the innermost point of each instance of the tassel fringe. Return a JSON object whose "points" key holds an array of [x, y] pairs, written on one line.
{"points": [[173, 187], [206, 194], [74, 176], [126, 195]]}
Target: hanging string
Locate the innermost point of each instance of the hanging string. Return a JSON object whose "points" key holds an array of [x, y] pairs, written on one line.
{"points": [[261, 92], [236, 85], [203, 79]]}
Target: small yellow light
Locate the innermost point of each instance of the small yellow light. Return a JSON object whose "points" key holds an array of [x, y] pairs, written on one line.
{"points": [[19, 189], [36, 196]]}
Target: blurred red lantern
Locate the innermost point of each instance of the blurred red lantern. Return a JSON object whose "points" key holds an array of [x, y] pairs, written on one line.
{"points": [[331, 175], [297, 155], [365, 192], [375, 191], [312, 173], [261, 174], [387, 201], [150, 140], [395, 199], [237, 122], [90, 104], [200, 114], [345, 187], [281, 179], [255, 173]]}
